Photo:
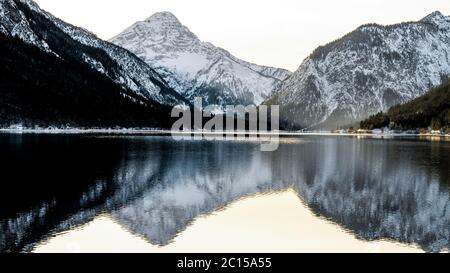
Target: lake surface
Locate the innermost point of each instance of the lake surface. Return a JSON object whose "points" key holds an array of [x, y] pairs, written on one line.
{"points": [[158, 189]]}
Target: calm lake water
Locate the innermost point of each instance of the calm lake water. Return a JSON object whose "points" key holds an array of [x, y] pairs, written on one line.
{"points": [[155, 187]]}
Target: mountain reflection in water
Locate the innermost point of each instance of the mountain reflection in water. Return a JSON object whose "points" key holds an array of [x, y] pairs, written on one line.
{"points": [[274, 222], [156, 187]]}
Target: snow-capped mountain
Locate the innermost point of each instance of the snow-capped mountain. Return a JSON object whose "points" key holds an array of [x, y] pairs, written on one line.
{"points": [[195, 68], [24, 19], [366, 71]]}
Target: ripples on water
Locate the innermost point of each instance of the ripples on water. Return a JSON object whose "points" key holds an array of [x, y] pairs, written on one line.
{"points": [[155, 187]]}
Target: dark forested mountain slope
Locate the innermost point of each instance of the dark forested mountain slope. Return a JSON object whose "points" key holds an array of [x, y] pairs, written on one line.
{"points": [[431, 109], [53, 73], [39, 89]]}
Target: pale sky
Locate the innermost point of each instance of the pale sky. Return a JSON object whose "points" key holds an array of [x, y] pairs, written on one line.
{"points": [[277, 33]]}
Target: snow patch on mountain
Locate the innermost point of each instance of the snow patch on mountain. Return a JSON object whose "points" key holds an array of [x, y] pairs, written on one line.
{"points": [[13, 22]]}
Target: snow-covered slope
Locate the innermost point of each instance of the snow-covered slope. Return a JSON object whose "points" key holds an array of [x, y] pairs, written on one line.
{"points": [[195, 68], [366, 71], [25, 20]]}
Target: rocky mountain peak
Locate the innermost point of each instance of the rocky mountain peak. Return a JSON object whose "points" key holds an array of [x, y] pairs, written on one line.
{"points": [[434, 15], [163, 17], [437, 18], [163, 29], [195, 68]]}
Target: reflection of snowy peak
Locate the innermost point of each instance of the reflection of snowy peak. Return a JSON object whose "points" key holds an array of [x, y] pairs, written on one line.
{"points": [[195, 68], [157, 187], [367, 71], [23, 19]]}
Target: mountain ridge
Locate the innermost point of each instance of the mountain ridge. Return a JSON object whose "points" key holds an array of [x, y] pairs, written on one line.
{"points": [[76, 82], [366, 71], [196, 68], [132, 72]]}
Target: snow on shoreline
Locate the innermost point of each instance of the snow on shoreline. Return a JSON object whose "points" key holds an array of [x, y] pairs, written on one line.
{"points": [[160, 132], [81, 131]]}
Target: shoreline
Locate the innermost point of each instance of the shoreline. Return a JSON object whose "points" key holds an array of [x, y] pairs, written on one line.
{"points": [[163, 132]]}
